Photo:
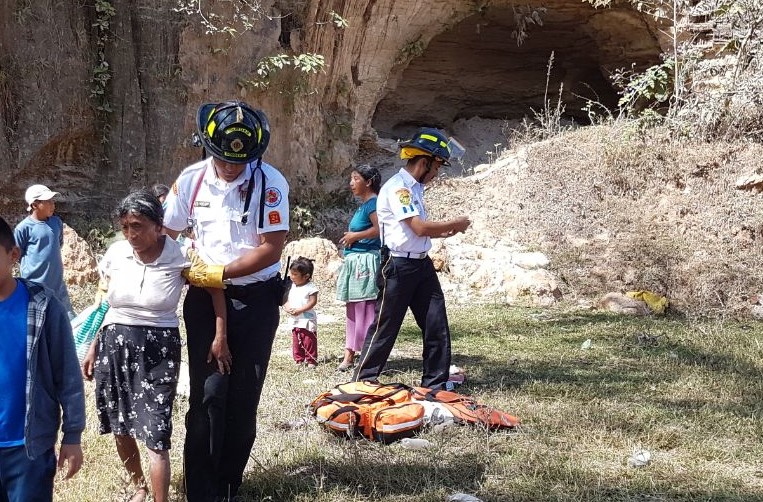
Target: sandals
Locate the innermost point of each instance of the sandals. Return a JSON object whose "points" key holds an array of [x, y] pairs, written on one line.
{"points": [[140, 494], [344, 366]]}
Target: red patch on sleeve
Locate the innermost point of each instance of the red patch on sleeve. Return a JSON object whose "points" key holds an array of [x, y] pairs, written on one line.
{"points": [[274, 217]]}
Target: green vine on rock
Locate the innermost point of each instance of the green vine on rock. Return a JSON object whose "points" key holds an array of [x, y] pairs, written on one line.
{"points": [[273, 66], [409, 51], [338, 20], [244, 15], [101, 74]]}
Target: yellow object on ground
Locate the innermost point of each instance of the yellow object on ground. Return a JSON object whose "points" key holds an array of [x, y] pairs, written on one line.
{"points": [[655, 302]]}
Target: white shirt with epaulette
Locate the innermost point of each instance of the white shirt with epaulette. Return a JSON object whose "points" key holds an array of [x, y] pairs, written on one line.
{"points": [[216, 216], [400, 198]]}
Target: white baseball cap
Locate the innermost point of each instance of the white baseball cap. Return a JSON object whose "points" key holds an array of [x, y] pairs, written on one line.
{"points": [[38, 192]]}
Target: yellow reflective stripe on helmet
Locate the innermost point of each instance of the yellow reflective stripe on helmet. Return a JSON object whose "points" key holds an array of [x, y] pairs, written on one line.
{"points": [[211, 125], [429, 137]]}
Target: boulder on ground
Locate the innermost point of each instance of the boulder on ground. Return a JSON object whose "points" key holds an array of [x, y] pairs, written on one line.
{"points": [[487, 268], [80, 267], [622, 304], [752, 182], [323, 252]]}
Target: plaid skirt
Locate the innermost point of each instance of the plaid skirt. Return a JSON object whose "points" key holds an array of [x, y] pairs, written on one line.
{"points": [[136, 375], [356, 280]]}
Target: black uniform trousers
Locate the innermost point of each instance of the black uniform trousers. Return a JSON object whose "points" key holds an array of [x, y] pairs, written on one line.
{"points": [[403, 283], [222, 416]]}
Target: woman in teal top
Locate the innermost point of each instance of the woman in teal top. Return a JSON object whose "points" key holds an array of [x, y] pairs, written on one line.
{"points": [[356, 284]]}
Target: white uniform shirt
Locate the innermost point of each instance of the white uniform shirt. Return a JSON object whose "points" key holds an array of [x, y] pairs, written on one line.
{"points": [[143, 294], [400, 198], [218, 206]]}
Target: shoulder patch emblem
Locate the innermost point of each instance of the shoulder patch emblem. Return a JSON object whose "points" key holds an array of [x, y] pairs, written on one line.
{"points": [[272, 197], [175, 188], [404, 196], [274, 217]]}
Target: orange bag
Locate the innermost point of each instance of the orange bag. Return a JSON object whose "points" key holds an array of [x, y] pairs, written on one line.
{"points": [[465, 409], [377, 412]]}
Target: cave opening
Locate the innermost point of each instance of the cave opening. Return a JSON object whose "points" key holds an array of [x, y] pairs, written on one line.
{"points": [[474, 80]]}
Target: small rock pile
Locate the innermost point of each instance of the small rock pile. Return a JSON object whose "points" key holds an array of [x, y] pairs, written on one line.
{"points": [[504, 272]]}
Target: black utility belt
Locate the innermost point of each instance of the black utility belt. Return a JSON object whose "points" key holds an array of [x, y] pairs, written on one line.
{"points": [[242, 290]]}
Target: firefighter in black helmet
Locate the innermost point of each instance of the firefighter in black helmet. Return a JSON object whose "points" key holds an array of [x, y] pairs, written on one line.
{"points": [[406, 277], [232, 131], [237, 208]]}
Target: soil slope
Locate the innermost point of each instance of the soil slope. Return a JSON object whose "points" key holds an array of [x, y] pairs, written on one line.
{"points": [[619, 209]]}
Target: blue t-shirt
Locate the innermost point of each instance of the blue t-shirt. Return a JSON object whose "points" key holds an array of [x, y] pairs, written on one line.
{"points": [[360, 221], [40, 243], [13, 313]]}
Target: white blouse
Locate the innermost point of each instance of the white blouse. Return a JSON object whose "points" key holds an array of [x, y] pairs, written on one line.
{"points": [[143, 294]]}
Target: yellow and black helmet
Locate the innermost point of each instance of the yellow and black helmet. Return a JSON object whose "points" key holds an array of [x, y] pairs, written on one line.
{"points": [[427, 141], [232, 131]]}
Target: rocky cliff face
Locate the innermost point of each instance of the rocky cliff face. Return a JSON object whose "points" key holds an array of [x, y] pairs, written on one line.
{"points": [[53, 129], [396, 65]]}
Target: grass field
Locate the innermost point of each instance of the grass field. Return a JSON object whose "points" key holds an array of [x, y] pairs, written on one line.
{"points": [[689, 392]]}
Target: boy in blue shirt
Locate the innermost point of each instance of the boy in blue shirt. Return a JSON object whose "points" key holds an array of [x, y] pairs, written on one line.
{"points": [[40, 237], [41, 382]]}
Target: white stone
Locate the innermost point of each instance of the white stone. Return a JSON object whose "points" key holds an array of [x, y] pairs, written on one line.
{"points": [[531, 260], [756, 311]]}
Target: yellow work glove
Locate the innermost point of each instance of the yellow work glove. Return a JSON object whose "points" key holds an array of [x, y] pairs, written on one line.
{"points": [[202, 274], [100, 292]]}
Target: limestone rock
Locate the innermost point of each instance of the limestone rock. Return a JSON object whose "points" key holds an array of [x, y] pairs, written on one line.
{"points": [[323, 252], [531, 260], [753, 182], [539, 285], [80, 267], [479, 267], [439, 255]]}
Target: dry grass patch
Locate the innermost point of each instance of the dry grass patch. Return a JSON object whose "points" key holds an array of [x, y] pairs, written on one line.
{"points": [[690, 392]]}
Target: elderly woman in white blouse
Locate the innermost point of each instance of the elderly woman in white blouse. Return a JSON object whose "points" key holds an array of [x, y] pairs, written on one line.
{"points": [[136, 357]]}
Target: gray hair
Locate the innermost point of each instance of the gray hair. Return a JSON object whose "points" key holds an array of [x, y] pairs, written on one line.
{"points": [[142, 203]]}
